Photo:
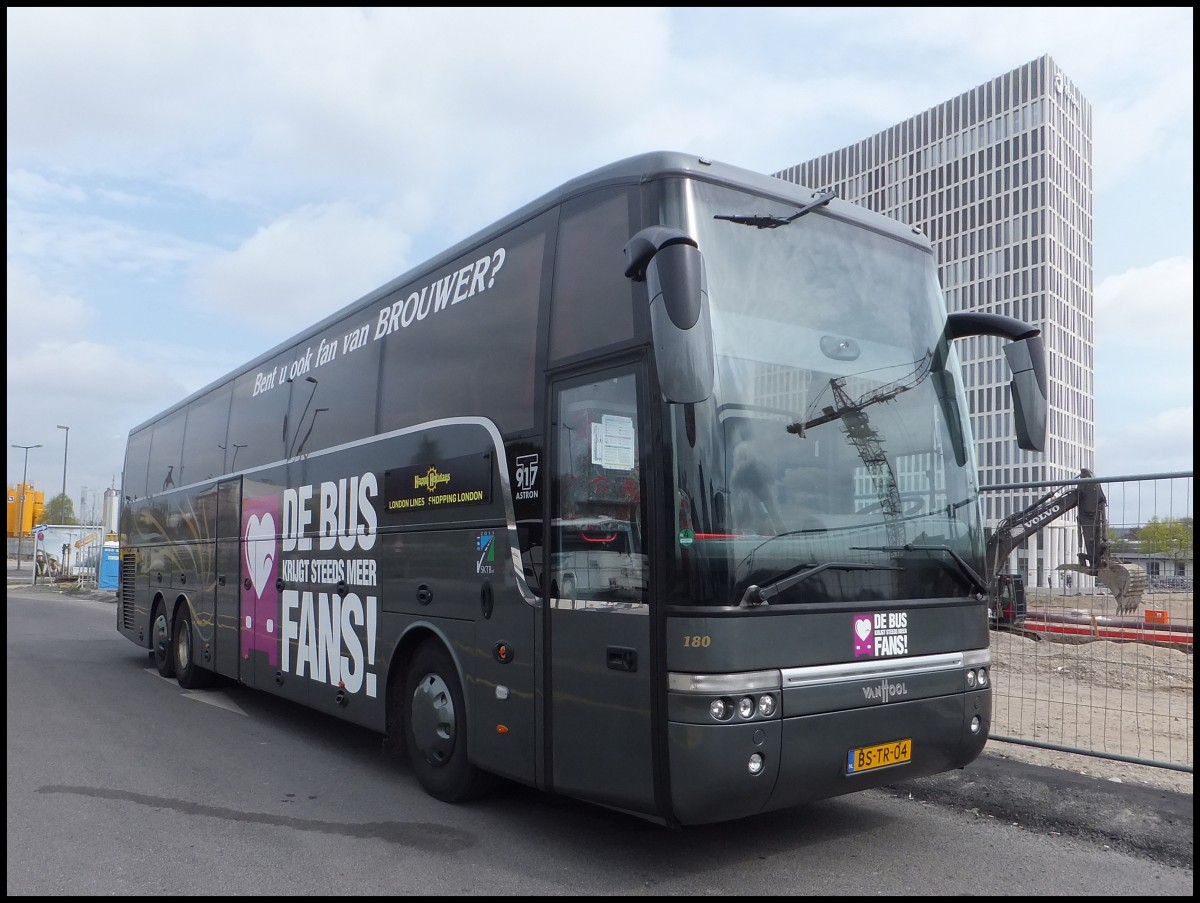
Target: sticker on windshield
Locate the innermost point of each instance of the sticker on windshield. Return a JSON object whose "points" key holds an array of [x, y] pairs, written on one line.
{"points": [[613, 442]]}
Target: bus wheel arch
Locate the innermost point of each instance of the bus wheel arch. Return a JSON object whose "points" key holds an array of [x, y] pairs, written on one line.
{"points": [[435, 727], [160, 638], [396, 704]]}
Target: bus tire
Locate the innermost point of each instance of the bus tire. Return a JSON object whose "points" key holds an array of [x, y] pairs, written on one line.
{"points": [[435, 726], [189, 674], [160, 640]]}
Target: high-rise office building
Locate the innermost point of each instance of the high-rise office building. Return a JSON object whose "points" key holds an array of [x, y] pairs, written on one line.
{"points": [[1000, 179]]}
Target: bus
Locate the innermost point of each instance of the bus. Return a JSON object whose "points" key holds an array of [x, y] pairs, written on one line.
{"points": [[744, 393]]}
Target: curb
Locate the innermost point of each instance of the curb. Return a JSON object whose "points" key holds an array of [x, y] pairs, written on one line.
{"points": [[75, 592]]}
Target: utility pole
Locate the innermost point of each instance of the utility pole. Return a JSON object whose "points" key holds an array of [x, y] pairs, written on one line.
{"points": [[21, 502], [66, 437]]}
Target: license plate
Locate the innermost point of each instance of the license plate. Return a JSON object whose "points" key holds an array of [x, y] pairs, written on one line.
{"points": [[866, 758]]}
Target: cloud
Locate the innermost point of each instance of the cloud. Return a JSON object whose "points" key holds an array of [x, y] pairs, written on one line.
{"points": [[302, 267], [1158, 443], [1148, 309], [79, 248], [1144, 375], [27, 186], [34, 311]]}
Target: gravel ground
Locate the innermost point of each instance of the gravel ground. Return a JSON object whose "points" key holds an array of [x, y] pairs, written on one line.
{"points": [[1128, 699]]}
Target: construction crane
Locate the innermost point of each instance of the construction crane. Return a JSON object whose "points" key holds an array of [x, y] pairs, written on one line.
{"points": [[865, 439]]}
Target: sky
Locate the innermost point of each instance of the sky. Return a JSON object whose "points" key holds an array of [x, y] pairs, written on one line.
{"points": [[188, 187]]}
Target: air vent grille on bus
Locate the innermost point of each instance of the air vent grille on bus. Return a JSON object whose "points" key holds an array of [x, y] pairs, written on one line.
{"points": [[128, 573]]}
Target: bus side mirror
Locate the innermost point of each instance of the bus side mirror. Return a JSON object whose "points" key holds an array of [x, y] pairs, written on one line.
{"points": [[1026, 356], [1027, 360], [671, 265]]}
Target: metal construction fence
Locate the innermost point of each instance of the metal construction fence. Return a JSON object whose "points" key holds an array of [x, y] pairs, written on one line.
{"points": [[1098, 661]]}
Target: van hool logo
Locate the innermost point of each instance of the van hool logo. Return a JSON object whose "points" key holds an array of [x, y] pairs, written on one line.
{"points": [[430, 480], [885, 692]]}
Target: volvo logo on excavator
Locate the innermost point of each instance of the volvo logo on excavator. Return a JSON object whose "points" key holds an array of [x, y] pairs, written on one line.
{"points": [[1040, 518]]}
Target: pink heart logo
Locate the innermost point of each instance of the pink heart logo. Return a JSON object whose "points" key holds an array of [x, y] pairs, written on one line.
{"points": [[862, 626], [260, 550]]}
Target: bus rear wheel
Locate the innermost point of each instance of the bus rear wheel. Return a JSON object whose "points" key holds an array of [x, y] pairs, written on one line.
{"points": [[435, 729], [160, 637], [189, 674]]}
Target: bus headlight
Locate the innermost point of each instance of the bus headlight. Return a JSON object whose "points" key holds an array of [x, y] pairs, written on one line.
{"points": [[720, 709], [746, 707], [977, 679], [766, 706]]}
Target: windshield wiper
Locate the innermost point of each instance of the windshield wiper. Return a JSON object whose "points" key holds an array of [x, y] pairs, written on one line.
{"points": [[769, 221], [756, 595], [967, 571]]}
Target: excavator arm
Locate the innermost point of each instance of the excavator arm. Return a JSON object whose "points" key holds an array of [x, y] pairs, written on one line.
{"points": [[1016, 528], [1127, 582]]}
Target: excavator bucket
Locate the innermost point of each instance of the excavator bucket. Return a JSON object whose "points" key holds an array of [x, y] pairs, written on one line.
{"points": [[1127, 583]]}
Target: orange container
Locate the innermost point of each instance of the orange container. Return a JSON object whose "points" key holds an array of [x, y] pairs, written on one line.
{"points": [[1156, 616]]}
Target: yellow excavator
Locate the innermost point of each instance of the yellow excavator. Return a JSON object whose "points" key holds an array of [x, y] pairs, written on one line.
{"points": [[1126, 582]]}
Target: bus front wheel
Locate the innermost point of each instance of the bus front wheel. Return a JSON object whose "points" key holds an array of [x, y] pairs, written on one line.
{"points": [[435, 731], [164, 658]]}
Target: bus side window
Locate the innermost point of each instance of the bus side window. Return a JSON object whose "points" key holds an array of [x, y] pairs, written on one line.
{"points": [[596, 541], [593, 300]]}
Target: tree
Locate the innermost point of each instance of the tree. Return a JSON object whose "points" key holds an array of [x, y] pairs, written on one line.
{"points": [[1119, 542], [1167, 537], [60, 510]]}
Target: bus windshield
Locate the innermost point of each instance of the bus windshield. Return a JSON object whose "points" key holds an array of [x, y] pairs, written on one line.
{"points": [[833, 441]]}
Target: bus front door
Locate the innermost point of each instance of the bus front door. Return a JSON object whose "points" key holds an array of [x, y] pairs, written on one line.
{"points": [[601, 661]]}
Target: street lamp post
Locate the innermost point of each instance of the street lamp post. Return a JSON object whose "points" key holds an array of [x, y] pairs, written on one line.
{"points": [[21, 502], [66, 438]]}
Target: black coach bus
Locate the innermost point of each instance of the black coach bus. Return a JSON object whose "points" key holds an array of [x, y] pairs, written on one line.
{"points": [[659, 493]]}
